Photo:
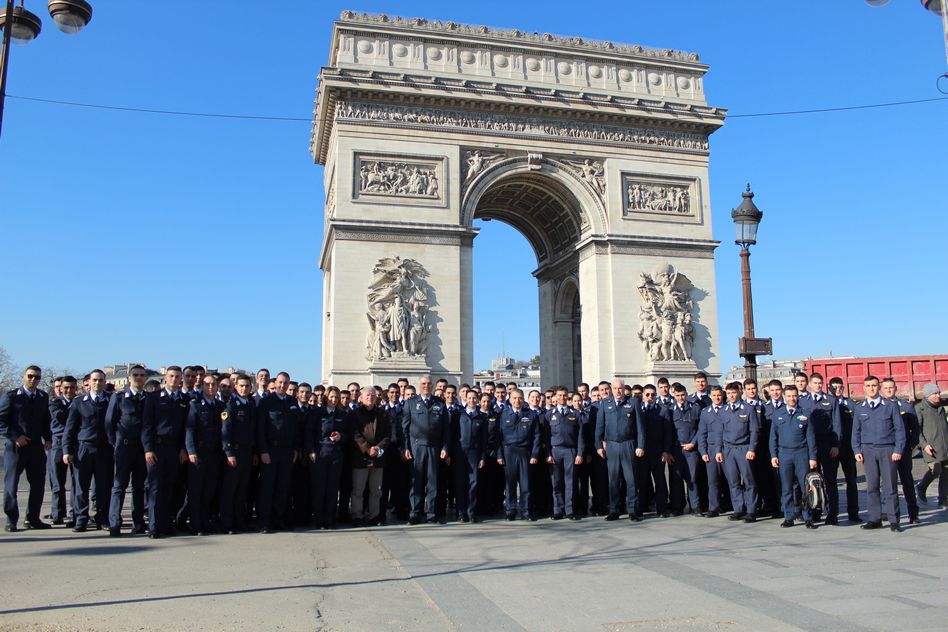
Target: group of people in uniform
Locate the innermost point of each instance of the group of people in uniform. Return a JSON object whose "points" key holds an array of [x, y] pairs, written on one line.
{"points": [[225, 453]]}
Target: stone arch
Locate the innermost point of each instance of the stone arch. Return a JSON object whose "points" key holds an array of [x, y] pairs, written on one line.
{"points": [[541, 198]]}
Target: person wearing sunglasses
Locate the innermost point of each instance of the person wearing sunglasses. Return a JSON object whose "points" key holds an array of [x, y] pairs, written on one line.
{"points": [[25, 423]]}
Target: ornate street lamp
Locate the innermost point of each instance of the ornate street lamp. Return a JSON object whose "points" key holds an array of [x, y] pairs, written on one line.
{"points": [[746, 220], [22, 27]]}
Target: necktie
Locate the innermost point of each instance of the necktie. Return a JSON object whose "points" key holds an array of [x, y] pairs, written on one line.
{"points": [[791, 410]]}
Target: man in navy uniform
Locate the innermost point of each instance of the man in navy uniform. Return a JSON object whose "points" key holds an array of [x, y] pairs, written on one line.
{"points": [[567, 445], [910, 421], [58, 470], [397, 477], [278, 442], [123, 424], [847, 459], [620, 436], [685, 416], [468, 452], [772, 405], [163, 440], [878, 442], [238, 434], [823, 410], [793, 450], [518, 446], [709, 433], [738, 435], [203, 442], [86, 447], [425, 431], [659, 436], [25, 424], [701, 396], [767, 493]]}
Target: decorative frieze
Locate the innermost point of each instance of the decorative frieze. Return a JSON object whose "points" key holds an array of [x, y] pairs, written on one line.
{"points": [[659, 197], [514, 125], [401, 177]]}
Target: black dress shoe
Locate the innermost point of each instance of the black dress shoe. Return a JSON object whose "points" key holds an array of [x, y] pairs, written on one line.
{"points": [[532, 517], [59, 521], [871, 525], [414, 520], [202, 533], [511, 517], [914, 520], [140, 529], [268, 529], [115, 533], [831, 521], [786, 523], [854, 518], [557, 517], [572, 517], [70, 524], [154, 535], [922, 497], [896, 528], [465, 518], [37, 524], [735, 516], [712, 514], [749, 518], [10, 528], [810, 525], [666, 514], [612, 516], [635, 517], [79, 528]]}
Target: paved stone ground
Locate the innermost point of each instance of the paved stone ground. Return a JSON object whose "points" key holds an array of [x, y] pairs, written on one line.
{"points": [[677, 574]]}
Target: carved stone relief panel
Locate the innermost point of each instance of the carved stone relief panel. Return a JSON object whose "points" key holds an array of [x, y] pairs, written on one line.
{"points": [[392, 178], [666, 315], [660, 198]]}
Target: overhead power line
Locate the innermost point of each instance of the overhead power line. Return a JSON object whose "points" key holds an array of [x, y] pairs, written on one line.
{"points": [[253, 117]]}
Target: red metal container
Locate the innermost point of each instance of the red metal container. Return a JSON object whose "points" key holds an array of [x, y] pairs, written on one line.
{"points": [[911, 373]]}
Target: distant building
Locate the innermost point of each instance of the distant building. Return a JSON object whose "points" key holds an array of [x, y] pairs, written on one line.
{"points": [[117, 374], [782, 370], [505, 369]]}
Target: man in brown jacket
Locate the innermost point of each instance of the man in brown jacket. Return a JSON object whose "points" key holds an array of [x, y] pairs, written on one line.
{"points": [[933, 439], [371, 432]]}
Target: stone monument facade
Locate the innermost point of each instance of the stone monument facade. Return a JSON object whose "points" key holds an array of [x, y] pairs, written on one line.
{"points": [[596, 152]]}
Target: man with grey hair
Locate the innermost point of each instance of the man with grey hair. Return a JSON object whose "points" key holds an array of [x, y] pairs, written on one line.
{"points": [[933, 438], [371, 432], [425, 432]]}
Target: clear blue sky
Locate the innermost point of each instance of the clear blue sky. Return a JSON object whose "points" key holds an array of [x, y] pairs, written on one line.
{"points": [[180, 240]]}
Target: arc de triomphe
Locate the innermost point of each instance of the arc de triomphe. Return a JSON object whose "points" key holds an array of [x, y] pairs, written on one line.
{"points": [[596, 152]]}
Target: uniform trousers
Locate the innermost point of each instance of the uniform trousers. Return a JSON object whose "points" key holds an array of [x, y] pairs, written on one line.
{"points": [[362, 477], [234, 484], [395, 482], [767, 477], [129, 465], [202, 486], [620, 464], [683, 473], [465, 464], [740, 479], [653, 470], [92, 462], [904, 469], [794, 466], [847, 463], [424, 481], [881, 473], [326, 473], [716, 483], [31, 458], [159, 485], [563, 479], [274, 490], [517, 470], [58, 473]]}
